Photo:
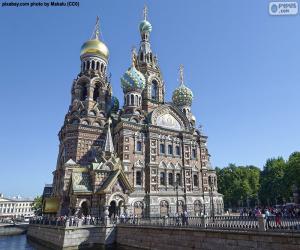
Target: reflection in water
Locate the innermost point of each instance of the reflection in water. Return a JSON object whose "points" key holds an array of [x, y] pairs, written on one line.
{"points": [[19, 242]]}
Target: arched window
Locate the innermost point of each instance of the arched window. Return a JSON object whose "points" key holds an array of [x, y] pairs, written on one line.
{"points": [[194, 153], [96, 94], [93, 64], [196, 184], [170, 179], [102, 67], [151, 57], [98, 65], [83, 66], [154, 90], [139, 146], [88, 64], [83, 93], [162, 148], [138, 178], [177, 150], [162, 178], [132, 100], [140, 101], [178, 179], [127, 102], [170, 149], [141, 57]]}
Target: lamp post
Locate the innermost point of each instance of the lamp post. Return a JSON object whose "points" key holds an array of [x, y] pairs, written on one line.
{"points": [[176, 187]]}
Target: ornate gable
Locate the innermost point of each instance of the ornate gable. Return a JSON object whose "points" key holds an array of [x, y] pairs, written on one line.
{"points": [[170, 117]]}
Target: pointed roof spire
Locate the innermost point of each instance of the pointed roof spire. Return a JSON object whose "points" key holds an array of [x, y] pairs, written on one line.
{"points": [[145, 12], [109, 146], [181, 79], [96, 30]]}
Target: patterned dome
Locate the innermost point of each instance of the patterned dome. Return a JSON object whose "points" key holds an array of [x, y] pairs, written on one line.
{"points": [[182, 96], [114, 104], [145, 26], [132, 80]]}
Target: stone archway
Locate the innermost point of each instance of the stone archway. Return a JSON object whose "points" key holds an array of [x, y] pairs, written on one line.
{"points": [[138, 208], [197, 208], [112, 209], [164, 208], [180, 207], [84, 208]]}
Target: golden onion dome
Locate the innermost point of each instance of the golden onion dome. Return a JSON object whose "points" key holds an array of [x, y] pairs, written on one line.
{"points": [[95, 47]]}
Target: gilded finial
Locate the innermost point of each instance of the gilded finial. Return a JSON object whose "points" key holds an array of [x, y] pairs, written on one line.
{"points": [[133, 56], [145, 12], [96, 31], [181, 74]]}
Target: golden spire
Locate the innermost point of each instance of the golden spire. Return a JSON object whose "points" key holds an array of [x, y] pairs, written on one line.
{"points": [[181, 68], [145, 12], [96, 30]]}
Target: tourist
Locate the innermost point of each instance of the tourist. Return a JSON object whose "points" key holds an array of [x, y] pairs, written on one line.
{"points": [[278, 218], [267, 216]]}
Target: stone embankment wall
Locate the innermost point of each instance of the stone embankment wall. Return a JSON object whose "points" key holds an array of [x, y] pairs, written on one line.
{"points": [[147, 237], [71, 238]]}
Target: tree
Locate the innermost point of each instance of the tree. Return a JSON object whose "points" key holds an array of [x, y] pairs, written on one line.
{"points": [[292, 175], [275, 188], [239, 185], [37, 205]]}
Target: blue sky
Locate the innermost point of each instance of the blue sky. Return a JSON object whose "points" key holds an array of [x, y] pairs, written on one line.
{"points": [[241, 63]]}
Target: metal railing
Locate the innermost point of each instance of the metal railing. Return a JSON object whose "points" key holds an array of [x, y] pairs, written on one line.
{"points": [[284, 223], [245, 223]]}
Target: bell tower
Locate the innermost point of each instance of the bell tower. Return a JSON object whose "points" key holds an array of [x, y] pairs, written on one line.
{"points": [[147, 63]]}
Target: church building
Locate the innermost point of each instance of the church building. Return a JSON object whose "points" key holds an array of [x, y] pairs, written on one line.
{"points": [[147, 157]]}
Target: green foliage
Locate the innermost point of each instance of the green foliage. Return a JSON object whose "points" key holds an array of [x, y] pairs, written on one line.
{"points": [[37, 205], [239, 185], [293, 169], [248, 185], [274, 189]]}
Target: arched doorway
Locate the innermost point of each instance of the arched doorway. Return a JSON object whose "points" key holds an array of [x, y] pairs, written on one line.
{"points": [[197, 208], [84, 208], [164, 208], [112, 209], [138, 208], [180, 207]]}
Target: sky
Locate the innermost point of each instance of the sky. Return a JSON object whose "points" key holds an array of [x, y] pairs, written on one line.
{"points": [[241, 63]]}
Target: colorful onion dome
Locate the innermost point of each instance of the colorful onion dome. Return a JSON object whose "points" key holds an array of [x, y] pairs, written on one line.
{"points": [[145, 26], [114, 104], [182, 96], [132, 80]]}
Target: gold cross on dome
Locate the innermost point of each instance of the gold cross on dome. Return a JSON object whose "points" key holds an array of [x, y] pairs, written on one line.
{"points": [[96, 31], [145, 12]]}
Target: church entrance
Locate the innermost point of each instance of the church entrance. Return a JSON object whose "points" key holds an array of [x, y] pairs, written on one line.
{"points": [[164, 208], [84, 208], [112, 209]]}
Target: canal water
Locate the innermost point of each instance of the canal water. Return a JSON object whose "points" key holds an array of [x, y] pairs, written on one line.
{"points": [[16, 242], [19, 242]]}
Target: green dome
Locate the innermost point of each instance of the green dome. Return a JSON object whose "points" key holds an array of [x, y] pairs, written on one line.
{"points": [[132, 80], [145, 26], [182, 96]]}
